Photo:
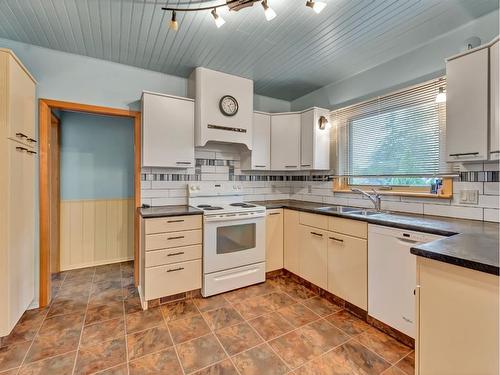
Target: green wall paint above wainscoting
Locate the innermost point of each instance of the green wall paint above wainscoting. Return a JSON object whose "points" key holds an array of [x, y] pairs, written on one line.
{"points": [[97, 157]]}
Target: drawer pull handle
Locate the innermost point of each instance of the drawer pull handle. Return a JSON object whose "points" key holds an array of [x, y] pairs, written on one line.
{"points": [[31, 140], [31, 152], [21, 135], [316, 234], [175, 269], [305, 165], [173, 254], [274, 213], [465, 154], [175, 221], [290, 166], [21, 149], [175, 238], [183, 162], [260, 166], [336, 239]]}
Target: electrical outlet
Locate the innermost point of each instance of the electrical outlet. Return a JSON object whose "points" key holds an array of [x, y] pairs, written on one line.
{"points": [[469, 196]]}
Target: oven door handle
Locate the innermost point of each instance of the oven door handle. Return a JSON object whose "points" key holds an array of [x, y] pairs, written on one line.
{"points": [[234, 218]]}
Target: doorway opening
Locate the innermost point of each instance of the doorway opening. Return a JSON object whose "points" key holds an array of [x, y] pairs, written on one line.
{"points": [[86, 217]]}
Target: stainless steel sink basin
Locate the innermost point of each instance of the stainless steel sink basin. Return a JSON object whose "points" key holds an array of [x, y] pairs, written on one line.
{"points": [[350, 210], [366, 213]]}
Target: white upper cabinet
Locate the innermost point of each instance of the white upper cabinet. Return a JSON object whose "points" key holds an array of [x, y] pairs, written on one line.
{"points": [[467, 106], [167, 131], [260, 156], [494, 99], [315, 142], [285, 141]]}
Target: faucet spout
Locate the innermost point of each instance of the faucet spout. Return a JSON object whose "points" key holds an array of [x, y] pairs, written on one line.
{"points": [[375, 198]]}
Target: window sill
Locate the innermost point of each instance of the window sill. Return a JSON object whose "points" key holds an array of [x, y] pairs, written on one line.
{"points": [[404, 194]]}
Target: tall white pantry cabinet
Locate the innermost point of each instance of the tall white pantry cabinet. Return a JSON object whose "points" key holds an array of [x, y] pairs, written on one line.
{"points": [[17, 178]]}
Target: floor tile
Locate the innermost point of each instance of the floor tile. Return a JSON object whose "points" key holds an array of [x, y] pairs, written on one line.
{"points": [[349, 358], [67, 305], [117, 370], [221, 368], [237, 338], [148, 341], [57, 335], [277, 300], [393, 371], [164, 362], [348, 323], [295, 290], [13, 371], [210, 303], [101, 298], [297, 315], [60, 365], [240, 295], [259, 360], [407, 364], [188, 328], [270, 325], [222, 317], [26, 328], [253, 307], [199, 353], [111, 310], [384, 345], [99, 332], [132, 305], [12, 356], [321, 306], [106, 285], [144, 319], [322, 336], [101, 356], [178, 310], [293, 349]]}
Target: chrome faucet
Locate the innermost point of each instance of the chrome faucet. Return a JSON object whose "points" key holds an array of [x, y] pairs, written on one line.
{"points": [[376, 198]]}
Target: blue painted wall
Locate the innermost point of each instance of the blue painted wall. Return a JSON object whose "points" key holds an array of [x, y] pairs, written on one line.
{"points": [[97, 157]]}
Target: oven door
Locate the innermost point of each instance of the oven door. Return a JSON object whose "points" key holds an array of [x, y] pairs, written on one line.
{"points": [[233, 243]]}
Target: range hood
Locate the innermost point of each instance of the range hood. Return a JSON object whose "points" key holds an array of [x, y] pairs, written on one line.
{"points": [[223, 107]]}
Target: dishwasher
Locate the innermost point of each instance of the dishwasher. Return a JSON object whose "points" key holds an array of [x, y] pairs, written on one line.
{"points": [[392, 275]]}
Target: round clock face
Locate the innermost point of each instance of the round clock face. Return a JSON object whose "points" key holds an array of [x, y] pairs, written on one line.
{"points": [[228, 105]]}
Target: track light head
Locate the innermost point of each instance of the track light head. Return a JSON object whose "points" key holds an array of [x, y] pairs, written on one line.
{"points": [[219, 21], [268, 11], [317, 6], [173, 25]]}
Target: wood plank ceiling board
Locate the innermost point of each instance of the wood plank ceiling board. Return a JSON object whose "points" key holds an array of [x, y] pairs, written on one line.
{"points": [[297, 52]]}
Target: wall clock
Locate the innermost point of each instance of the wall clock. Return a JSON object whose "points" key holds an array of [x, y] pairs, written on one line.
{"points": [[228, 105]]}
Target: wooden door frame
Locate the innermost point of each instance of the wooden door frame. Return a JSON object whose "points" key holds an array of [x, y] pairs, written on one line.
{"points": [[44, 118]]}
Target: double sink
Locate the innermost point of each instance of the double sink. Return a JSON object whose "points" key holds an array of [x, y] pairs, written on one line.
{"points": [[355, 211]]}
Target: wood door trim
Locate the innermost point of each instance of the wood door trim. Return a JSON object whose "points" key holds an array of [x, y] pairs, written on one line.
{"points": [[44, 117]]}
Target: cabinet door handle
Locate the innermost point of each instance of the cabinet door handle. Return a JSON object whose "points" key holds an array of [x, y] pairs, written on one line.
{"points": [[465, 154], [175, 269], [274, 213], [290, 166], [260, 166], [31, 140], [495, 152], [336, 239], [183, 162], [175, 221], [21, 149], [31, 152], [305, 165], [175, 238], [21, 135], [316, 234], [173, 254]]}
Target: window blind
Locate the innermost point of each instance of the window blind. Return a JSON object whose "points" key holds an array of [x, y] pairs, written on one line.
{"points": [[400, 134]]}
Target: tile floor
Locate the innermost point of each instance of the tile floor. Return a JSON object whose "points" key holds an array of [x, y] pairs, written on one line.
{"points": [[95, 325]]}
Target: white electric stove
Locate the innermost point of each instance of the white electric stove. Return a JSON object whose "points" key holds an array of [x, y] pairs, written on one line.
{"points": [[234, 233]]}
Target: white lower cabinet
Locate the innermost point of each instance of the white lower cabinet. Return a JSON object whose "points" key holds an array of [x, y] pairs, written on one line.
{"points": [[313, 255], [173, 278], [274, 240]]}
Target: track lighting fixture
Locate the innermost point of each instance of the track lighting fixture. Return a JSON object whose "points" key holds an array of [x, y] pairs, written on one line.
{"points": [[173, 25], [268, 11], [232, 6], [219, 21], [317, 6]]}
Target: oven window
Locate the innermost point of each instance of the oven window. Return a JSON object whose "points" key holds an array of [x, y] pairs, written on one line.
{"points": [[235, 238]]}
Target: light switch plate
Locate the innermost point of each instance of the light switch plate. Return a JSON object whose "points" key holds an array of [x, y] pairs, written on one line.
{"points": [[469, 196]]}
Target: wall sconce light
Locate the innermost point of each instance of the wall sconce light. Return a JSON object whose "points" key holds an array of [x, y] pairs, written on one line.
{"points": [[323, 123]]}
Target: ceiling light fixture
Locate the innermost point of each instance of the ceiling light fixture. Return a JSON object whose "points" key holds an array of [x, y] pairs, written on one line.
{"points": [[317, 6], [233, 6], [173, 25], [441, 96], [268, 11], [219, 21]]}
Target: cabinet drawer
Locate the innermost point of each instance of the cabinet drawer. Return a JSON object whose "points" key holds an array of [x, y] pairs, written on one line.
{"points": [[350, 227], [314, 220], [173, 239], [173, 224], [172, 279], [173, 255]]}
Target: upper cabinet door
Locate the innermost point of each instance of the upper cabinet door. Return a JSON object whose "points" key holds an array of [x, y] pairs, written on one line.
{"points": [[467, 107], [494, 99], [315, 142], [259, 158], [285, 142], [167, 131]]}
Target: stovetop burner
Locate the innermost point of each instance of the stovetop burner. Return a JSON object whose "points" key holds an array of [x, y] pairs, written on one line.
{"points": [[203, 206], [211, 208], [241, 204]]}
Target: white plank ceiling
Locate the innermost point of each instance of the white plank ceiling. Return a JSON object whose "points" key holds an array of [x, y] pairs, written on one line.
{"points": [[297, 52]]}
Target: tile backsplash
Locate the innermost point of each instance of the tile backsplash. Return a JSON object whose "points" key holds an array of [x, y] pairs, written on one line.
{"points": [[162, 186]]}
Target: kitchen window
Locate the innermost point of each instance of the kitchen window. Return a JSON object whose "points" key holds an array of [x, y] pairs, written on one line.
{"points": [[394, 141]]}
